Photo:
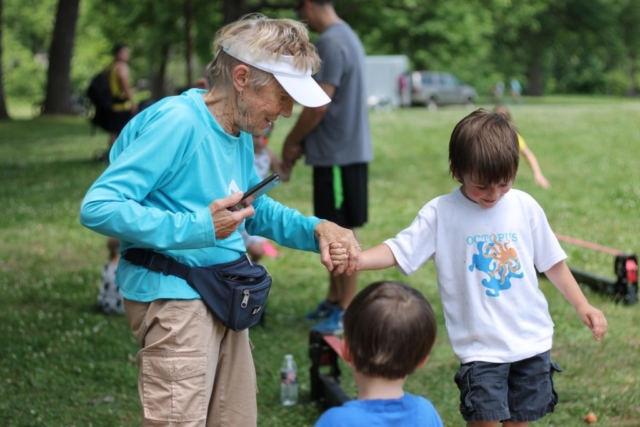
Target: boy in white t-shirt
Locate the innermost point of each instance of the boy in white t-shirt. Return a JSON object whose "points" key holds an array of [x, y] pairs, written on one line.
{"points": [[486, 241]]}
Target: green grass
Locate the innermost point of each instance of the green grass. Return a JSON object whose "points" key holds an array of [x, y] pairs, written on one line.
{"points": [[62, 363], [22, 110]]}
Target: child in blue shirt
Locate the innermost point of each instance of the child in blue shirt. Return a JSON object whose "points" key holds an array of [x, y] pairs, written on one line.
{"points": [[389, 330]]}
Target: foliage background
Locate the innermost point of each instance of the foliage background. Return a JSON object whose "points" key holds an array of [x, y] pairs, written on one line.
{"points": [[551, 46]]}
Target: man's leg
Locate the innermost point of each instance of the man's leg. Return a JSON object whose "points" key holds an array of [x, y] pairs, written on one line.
{"points": [[346, 287], [326, 191], [349, 288], [354, 214], [342, 290], [339, 195], [335, 295]]}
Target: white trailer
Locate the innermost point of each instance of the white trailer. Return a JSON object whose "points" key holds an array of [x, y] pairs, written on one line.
{"points": [[383, 75]]}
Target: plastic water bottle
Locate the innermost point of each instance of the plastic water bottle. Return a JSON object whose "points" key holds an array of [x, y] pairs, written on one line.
{"points": [[288, 381]]}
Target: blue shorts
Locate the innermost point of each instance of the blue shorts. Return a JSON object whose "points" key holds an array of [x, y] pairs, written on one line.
{"points": [[520, 391]]}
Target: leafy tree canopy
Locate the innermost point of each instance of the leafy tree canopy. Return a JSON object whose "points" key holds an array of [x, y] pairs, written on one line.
{"points": [[549, 45]]}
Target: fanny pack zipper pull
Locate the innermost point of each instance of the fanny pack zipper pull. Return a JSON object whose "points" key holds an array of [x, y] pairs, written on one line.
{"points": [[245, 300]]}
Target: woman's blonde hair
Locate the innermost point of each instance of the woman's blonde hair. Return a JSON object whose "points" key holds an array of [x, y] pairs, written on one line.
{"points": [[262, 39]]}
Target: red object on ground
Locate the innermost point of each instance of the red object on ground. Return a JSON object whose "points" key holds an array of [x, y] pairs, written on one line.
{"points": [[632, 271], [590, 418], [335, 343]]}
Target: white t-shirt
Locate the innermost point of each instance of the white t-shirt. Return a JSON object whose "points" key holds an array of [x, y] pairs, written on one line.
{"points": [[486, 262]]}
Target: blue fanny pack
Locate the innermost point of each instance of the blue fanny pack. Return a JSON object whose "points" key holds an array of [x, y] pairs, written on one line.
{"points": [[236, 292]]}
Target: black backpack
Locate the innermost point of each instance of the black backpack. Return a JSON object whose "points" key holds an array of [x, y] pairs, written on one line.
{"points": [[99, 92]]}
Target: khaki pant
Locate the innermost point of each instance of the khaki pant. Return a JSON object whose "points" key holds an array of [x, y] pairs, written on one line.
{"points": [[193, 372]]}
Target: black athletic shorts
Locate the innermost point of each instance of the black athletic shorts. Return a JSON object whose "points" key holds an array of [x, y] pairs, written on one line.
{"points": [[340, 194]]}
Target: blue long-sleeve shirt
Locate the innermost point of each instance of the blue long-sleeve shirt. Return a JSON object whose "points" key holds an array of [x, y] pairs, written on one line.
{"points": [[168, 164]]}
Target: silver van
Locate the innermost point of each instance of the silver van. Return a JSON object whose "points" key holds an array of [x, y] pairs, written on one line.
{"points": [[434, 89]]}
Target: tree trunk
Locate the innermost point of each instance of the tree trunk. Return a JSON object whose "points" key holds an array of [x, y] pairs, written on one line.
{"points": [[633, 74], [536, 82], [58, 98], [4, 114], [233, 10], [157, 82], [188, 41]]}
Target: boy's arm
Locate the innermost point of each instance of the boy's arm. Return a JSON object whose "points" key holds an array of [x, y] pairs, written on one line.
{"points": [[563, 280], [535, 167], [377, 258]]}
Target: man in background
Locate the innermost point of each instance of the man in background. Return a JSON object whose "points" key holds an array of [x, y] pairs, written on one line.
{"points": [[336, 140]]}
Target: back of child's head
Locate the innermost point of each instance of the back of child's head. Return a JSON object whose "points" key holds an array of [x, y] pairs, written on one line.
{"points": [[502, 110], [389, 329], [484, 147]]}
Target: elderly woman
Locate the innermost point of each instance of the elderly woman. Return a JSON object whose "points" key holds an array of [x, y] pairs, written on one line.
{"points": [[175, 170]]}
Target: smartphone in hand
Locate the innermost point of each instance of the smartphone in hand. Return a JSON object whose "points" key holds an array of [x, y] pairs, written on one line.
{"points": [[258, 190]]}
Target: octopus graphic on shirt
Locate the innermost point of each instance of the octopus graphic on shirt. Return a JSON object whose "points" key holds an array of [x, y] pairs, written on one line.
{"points": [[500, 261]]}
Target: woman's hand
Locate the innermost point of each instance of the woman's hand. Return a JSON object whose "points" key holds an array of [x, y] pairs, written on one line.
{"points": [[329, 233], [225, 221]]}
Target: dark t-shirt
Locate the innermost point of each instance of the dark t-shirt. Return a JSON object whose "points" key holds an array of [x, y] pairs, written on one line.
{"points": [[343, 136]]}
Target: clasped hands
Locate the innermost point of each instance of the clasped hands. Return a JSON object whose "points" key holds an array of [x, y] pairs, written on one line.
{"points": [[343, 258], [339, 248]]}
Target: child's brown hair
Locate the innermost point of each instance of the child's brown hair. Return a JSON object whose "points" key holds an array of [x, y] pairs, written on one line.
{"points": [[503, 110], [484, 146], [389, 329]]}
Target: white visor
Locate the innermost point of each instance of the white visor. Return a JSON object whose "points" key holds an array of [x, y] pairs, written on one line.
{"points": [[299, 84]]}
